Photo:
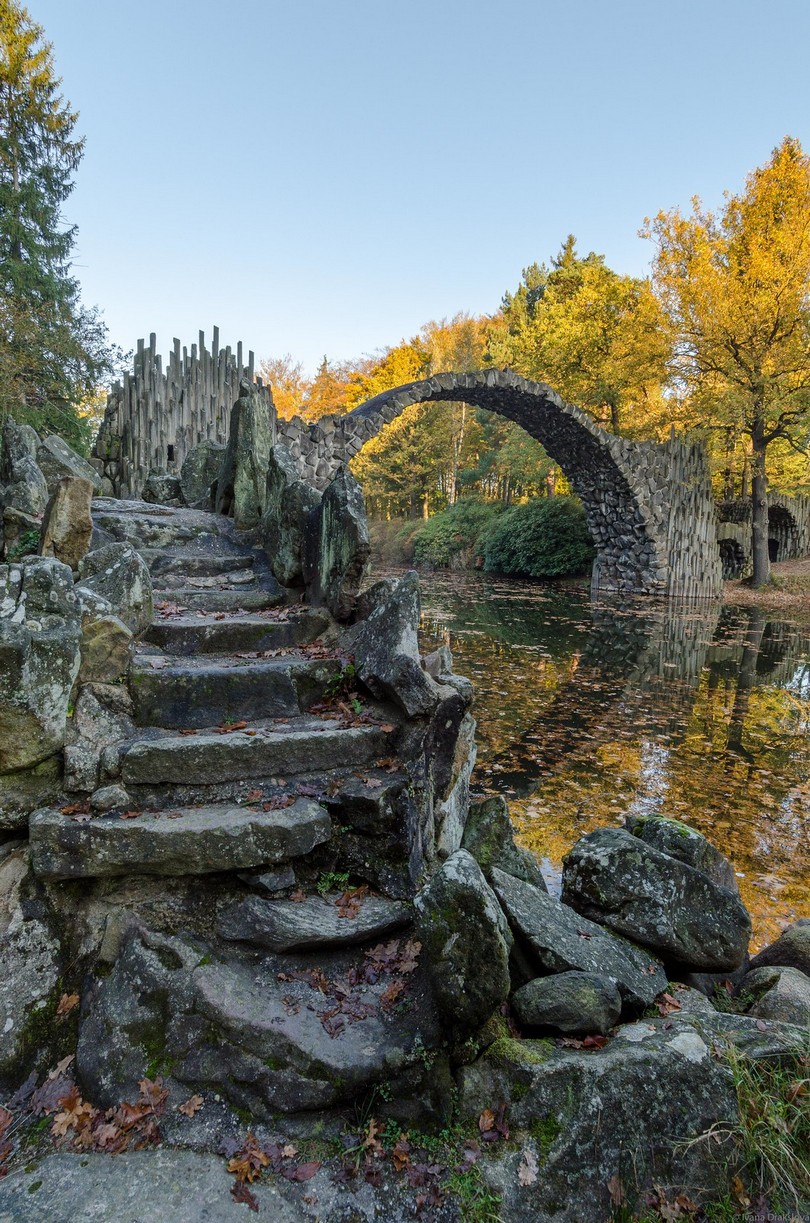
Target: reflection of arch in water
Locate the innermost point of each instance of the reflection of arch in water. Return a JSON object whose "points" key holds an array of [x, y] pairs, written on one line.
{"points": [[637, 673], [648, 505]]}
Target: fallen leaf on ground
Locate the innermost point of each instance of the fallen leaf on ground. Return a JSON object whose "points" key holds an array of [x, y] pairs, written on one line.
{"points": [[192, 1105], [66, 1004], [527, 1168]]}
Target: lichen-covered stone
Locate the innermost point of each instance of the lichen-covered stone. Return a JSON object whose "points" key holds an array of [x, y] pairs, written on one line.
{"points": [[572, 1002], [386, 650], [489, 837], [559, 940], [242, 479], [289, 501], [120, 575], [56, 459], [466, 942], [39, 660], [686, 844], [781, 993], [199, 473], [106, 649], [337, 547], [162, 488], [68, 525], [637, 1110], [289, 925], [791, 949], [619, 881]]}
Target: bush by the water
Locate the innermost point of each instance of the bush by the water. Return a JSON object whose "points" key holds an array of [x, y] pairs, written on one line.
{"points": [[454, 538], [546, 538]]}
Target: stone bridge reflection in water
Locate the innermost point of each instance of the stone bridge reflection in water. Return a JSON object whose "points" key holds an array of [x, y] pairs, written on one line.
{"points": [[589, 712]]}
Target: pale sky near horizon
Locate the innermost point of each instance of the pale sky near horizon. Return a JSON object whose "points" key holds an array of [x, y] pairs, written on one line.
{"points": [[323, 178]]}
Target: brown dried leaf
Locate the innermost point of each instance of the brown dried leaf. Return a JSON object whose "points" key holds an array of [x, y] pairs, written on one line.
{"points": [[66, 1004], [527, 1168], [192, 1105]]}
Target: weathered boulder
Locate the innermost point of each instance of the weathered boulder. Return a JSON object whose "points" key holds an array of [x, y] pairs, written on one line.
{"points": [[162, 488], [26, 490], [686, 844], [199, 473], [103, 716], [288, 925], [791, 949], [466, 942], [119, 574], [386, 650], [190, 841], [56, 459], [576, 1002], [781, 993], [68, 525], [23, 488], [39, 660], [489, 837], [267, 1045], [558, 940], [29, 965], [336, 547], [242, 478], [28, 789], [106, 649], [619, 881], [620, 1119], [289, 501], [17, 442]]}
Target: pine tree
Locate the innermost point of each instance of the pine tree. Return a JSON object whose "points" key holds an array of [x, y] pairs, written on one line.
{"points": [[53, 351]]}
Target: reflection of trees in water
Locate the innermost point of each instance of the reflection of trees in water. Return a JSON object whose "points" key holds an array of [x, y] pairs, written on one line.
{"points": [[638, 676]]}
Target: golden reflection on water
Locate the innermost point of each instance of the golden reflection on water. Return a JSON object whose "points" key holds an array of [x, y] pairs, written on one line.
{"points": [[584, 720]]}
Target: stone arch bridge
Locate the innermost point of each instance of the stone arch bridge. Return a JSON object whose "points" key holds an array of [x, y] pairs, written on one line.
{"points": [[649, 506]]}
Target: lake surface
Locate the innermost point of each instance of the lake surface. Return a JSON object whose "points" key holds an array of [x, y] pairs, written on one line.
{"points": [[587, 713]]}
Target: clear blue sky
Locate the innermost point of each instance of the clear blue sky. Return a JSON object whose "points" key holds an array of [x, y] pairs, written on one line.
{"points": [[324, 176]]}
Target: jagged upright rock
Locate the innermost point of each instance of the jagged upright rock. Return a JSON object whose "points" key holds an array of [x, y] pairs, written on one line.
{"points": [[39, 659], [337, 547], [199, 473], [119, 574], [67, 528], [242, 479], [56, 459], [386, 648], [289, 501]]}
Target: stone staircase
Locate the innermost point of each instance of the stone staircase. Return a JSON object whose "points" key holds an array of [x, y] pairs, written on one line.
{"points": [[242, 765]]}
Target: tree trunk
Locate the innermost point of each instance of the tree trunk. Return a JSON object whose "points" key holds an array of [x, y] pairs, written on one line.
{"points": [[759, 512]]}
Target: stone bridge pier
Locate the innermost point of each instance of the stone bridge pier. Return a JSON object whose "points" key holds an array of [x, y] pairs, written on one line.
{"points": [[649, 505]]}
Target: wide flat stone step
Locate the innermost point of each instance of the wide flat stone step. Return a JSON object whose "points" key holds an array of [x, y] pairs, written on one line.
{"points": [[189, 693], [269, 594], [234, 579], [288, 925], [163, 561], [158, 526], [259, 750], [188, 841], [186, 634]]}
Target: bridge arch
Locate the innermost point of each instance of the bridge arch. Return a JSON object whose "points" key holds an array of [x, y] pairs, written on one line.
{"points": [[648, 505]]}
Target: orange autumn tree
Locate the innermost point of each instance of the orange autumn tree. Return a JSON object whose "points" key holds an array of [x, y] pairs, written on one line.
{"points": [[735, 285]]}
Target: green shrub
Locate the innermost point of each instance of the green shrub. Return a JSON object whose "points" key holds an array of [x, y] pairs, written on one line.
{"points": [[546, 538], [456, 534]]}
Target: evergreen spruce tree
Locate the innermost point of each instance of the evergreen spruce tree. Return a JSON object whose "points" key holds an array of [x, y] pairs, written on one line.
{"points": [[53, 351]]}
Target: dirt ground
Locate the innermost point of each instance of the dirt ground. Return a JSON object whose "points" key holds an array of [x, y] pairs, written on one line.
{"points": [[791, 588]]}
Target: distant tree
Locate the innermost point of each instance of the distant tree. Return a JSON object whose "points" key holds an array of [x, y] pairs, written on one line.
{"points": [[289, 384], [735, 286], [54, 352]]}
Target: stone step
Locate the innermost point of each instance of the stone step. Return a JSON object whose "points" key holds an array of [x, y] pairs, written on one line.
{"points": [[187, 635], [195, 564], [189, 841], [303, 745], [209, 691], [154, 526], [269, 594], [234, 579], [289, 925]]}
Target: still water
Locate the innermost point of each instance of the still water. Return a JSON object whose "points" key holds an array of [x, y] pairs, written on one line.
{"points": [[587, 713]]}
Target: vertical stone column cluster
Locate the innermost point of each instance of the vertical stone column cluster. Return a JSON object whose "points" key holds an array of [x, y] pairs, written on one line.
{"points": [[155, 416]]}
